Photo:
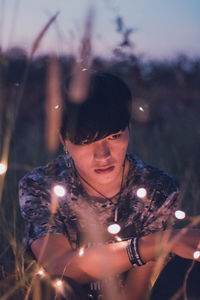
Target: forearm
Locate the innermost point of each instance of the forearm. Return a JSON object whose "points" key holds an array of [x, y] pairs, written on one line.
{"points": [[183, 242], [97, 262], [94, 263], [100, 261], [138, 282]]}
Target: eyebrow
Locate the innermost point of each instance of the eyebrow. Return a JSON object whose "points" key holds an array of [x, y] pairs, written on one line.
{"points": [[92, 140]]}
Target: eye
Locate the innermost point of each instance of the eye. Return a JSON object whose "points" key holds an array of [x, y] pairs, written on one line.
{"points": [[85, 142], [115, 136]]}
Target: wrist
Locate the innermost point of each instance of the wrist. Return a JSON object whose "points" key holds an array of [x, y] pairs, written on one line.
{"points": [[134, 254], [160, 243], [147, 247]]}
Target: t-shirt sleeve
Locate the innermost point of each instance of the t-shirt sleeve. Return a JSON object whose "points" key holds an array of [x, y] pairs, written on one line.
{"points": [[162, 204], [35, 206]]}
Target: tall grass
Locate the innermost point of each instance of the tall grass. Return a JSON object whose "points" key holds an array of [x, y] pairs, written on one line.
{"points": [[165, 132]]}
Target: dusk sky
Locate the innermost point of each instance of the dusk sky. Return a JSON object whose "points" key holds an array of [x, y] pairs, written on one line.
{"points": [[165, 28]]}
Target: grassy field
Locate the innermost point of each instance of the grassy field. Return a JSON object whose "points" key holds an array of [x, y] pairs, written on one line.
{"points": [[165, 133]]}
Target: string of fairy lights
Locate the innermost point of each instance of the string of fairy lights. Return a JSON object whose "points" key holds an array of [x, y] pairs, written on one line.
{"points": [[113, 229], [57, 284]]}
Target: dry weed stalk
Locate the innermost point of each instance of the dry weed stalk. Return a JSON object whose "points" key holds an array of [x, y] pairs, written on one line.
{"points": [[11, 118], [53, 105], [80, 82], [40, 36]]}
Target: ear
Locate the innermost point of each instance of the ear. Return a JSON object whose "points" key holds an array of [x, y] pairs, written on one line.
{"points": [[61, 139]]}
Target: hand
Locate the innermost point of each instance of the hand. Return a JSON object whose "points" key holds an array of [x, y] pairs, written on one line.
{"points": [[182, 242], [186, 242]]}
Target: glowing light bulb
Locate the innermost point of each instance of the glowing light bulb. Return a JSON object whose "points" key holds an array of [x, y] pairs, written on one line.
{"points": [[56, 107], [118, 239], [180, 214], [114, 228], [141, 192], [196, 254], [41, 273], [3, 168], [81, 251], [141, 108], [59, 190], [58, 283]]}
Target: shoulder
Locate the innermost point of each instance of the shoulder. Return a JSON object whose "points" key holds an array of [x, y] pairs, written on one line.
{"points": [[55, 168], [39, 181], [158, 183], [150, 175]]}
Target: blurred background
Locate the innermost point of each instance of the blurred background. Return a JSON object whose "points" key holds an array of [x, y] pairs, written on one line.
{"points": [[152, 45]]}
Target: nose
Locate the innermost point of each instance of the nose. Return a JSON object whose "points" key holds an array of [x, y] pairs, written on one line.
{"points": [[101, 151]]}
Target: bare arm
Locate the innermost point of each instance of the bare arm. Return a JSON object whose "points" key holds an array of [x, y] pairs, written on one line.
{"points": [[180, 242], [97, 262], [138, 282]]}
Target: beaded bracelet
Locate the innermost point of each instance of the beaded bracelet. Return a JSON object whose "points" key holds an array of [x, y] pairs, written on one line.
{"points": [[133, 253]]}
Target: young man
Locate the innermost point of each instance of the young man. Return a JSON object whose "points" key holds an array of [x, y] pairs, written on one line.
{"points": [[96, 211]]}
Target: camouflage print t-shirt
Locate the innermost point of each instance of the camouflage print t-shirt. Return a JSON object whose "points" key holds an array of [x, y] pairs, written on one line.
{"points": [[84, 219]]}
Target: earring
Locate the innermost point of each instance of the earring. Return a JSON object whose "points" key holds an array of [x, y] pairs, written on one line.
{"points": [[68, 159], [66, 151]]}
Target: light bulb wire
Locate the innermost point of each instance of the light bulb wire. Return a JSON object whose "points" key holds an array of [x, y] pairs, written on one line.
{"points": [[109, 199]]}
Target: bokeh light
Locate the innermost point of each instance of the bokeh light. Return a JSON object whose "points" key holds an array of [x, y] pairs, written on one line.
{"points": [[59, 283], [140, 110], [3, 168], [180, 214], [81, 251], [118, 238], [59, 190], [114, 228], [196, 254], [41, 273], [141, 193]]}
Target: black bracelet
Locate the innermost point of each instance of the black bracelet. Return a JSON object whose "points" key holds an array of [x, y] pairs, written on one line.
{"points": [[133, 253]]}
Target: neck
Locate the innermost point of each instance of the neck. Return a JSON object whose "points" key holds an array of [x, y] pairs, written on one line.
{"points": [[107, 190]]}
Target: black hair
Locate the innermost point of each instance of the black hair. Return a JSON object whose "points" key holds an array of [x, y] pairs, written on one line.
{"points": [[106, 109]]}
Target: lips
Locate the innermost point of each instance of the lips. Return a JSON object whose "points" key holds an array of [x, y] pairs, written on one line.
{"points": [[104, 170]]}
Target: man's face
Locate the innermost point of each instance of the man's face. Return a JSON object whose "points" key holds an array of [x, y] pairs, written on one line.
{"points": [[100, 162]]}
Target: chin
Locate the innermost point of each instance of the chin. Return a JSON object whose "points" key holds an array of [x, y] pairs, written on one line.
{"points": [[105, 178]]}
